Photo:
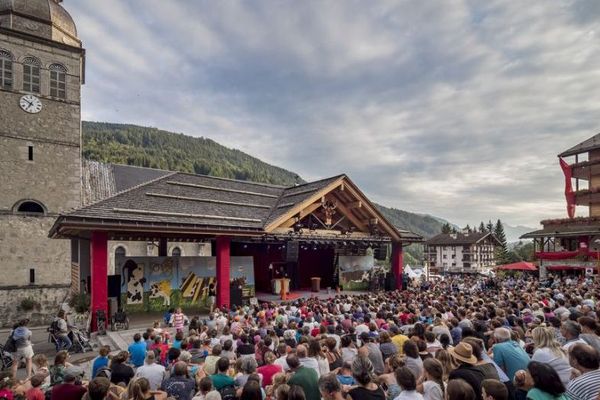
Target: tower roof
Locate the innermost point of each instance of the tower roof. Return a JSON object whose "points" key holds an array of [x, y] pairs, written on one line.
{"points": [[590, 144], [43, 18]]}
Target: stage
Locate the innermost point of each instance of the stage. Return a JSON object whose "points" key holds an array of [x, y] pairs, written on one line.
{"points": [[304, 294]]}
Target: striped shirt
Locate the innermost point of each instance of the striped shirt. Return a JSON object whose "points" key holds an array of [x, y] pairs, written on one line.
{"points": [[585, 387]]}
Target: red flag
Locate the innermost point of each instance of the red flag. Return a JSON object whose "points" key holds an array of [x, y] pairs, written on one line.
{"points": [[569, 194]]}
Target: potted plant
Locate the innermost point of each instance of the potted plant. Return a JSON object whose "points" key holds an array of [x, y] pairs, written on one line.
{"points": [[80, 303]]}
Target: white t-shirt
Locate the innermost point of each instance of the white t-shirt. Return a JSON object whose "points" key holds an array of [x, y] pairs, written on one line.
{"points": [[155, 373], [432, 391], [409, 395]]}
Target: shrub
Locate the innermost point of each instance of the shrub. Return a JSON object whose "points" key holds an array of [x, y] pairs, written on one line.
{"points": [[80, 302], [29, 304]]}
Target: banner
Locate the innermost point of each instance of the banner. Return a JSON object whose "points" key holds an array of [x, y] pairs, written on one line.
{"points": [[160, 283], [569, 194]]}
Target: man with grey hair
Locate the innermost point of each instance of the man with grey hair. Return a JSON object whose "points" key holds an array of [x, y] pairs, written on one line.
{"points": [[508, 354], [155, 373], [179, 385], [571, 331], [330, 387]]}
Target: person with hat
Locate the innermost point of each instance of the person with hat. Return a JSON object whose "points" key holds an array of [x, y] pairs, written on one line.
{"points": [[70, 388], [462, 354]]}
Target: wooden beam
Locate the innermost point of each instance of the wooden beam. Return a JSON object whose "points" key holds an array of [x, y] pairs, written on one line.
{"points": [[355, 204], [295, 210], [348, 213], [307, 211]]}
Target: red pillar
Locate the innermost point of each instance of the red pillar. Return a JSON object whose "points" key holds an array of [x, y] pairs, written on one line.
{"points": [[99, 272], [397, 263], [223, 251]]}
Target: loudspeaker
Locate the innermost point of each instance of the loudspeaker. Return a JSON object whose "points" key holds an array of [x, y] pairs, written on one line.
{"points": [[235, 295], [380, 253], [114, 286]]}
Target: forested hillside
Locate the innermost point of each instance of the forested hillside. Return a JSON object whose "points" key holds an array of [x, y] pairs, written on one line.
{"points": [[154, 148]]}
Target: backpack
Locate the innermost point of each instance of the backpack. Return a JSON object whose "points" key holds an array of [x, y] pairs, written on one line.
{"points": [[228, 393], [11, 344], [54, 328]]}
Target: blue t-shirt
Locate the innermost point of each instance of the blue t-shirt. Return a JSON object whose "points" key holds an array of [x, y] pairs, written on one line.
{"points": [[137, 353], [99, 362], [510, 357]]}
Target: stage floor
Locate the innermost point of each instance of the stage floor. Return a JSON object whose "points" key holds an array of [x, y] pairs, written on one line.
{"points": [[303, 294]]}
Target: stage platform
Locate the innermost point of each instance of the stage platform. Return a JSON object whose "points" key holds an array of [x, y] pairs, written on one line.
{"points": [[303, 294]]}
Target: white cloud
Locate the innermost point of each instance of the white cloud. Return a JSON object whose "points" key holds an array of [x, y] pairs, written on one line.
{"points": [[455, 109]]}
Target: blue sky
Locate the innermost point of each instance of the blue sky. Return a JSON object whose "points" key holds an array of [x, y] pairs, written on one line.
{"points": [[453, 108]]}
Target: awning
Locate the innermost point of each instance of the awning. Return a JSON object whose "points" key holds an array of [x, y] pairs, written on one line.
{"points": [[566, 267], [519, 266]]}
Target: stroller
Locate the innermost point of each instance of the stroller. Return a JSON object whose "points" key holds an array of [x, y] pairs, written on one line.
{"points": [[119, 320], [80, 342], [6, 359]]}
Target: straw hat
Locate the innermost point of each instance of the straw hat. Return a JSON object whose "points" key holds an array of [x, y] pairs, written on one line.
{"points": [[463, 352]]}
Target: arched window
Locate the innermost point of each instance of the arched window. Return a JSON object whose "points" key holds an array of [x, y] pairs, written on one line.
{"points": [[120, 252], [176, 252], [31, 207], [58, 81], [6, 71], [31, 74]]}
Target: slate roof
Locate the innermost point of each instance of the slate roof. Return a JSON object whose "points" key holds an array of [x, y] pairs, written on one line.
{"points": [[121, 194], [563, 231], [457, 239], [592, 143]]}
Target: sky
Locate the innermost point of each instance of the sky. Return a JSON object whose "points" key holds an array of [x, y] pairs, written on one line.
{"points": [[453, 108]]}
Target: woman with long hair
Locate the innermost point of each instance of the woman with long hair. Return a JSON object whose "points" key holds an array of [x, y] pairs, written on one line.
{"points": [[333, 355], [363, 373], [57, 371], [546, 383], [251, 391], [548, 351], [444, 357], [432, 382], [315, 351]]}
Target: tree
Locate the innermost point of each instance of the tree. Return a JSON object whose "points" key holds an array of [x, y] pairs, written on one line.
{"points": [[468, 229], [502, 256], [446, 228], [482, 227], [490, 226]]}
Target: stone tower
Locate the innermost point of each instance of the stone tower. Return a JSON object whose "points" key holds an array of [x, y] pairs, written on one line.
{"points": [[41, 73]]}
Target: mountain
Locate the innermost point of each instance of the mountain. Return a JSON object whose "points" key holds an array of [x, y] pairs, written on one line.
{"points": [[514, 232], [155, 148]]}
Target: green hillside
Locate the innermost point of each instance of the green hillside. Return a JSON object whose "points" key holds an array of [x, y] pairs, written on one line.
{"points": [[155, 148]]}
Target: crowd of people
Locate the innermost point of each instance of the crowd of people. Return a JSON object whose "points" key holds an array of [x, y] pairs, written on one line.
{"points": [[462, 338]]}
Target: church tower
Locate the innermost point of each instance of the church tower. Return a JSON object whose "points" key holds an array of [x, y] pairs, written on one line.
{"points": [[41, 73]]}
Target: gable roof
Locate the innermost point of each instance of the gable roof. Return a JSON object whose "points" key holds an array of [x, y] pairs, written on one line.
{"points": [[125, 195], [592, 143], [458, 239]]}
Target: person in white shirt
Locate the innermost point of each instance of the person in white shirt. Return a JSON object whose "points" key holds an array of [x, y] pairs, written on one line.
{"points": [[305, 361], [155, 373]]}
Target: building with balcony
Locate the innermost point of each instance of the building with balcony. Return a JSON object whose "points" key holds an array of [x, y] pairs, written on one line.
{"points": [[464, 252], [572, 244]]}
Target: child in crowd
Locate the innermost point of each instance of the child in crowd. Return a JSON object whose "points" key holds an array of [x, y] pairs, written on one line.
{"points": [[100, 361], [35, 392], [6, 384]]}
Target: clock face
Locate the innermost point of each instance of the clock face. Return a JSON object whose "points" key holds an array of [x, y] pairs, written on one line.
{"points": [[30, 104]]}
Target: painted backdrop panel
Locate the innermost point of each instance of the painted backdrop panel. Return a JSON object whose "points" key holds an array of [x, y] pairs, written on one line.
{"points": [[354, 271], [159, 283]]}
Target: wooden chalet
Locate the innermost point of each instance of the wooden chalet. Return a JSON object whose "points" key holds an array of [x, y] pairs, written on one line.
{"points": [[330, 216]]}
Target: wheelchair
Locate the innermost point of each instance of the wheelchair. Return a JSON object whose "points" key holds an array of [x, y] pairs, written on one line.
{"points": [[119, 321]]}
